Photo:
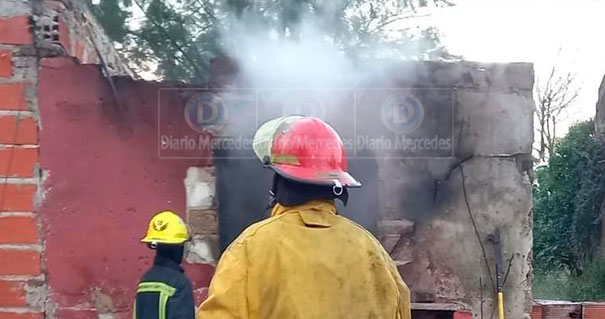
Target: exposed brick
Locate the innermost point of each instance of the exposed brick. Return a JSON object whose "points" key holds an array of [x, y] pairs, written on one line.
{"points": [[6, 65], [57, 62], [13, 294], [64, 37], [26, 315], [463, 315], [591, 311], [203, 222], [80, 47], [17, 197], [27, 133], [13, 97], [19, 262], [21, 160], [15, 30], [18, 230]]}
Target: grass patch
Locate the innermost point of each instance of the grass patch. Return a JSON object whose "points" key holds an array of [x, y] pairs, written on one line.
{"points": [[550, 285], [560, 285]]}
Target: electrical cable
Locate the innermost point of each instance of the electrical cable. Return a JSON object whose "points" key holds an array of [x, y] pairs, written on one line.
{"points": [[474, 223]]}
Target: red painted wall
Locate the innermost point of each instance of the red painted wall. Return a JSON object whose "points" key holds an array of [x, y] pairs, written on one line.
{"points": [[105, 180]]}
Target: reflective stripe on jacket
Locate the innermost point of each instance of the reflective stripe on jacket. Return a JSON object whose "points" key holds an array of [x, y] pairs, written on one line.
{"points": [[306, 262], [164, 293]]}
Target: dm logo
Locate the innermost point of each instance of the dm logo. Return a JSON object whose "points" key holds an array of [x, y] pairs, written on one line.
{"points": [[402, 113], [160, 225], [206, 112], [308, 105]]}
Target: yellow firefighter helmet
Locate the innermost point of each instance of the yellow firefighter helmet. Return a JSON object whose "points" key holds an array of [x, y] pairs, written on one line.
{"points": [[166, 227]]}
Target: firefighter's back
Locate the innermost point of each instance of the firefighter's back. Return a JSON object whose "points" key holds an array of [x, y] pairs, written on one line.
{"points": [[314, 264], [164, 292], [306, 262]]}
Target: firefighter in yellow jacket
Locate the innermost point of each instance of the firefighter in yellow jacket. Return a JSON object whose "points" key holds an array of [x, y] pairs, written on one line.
{"points": [[305, 261]]}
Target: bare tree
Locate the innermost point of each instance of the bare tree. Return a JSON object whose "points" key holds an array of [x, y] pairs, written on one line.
{"points": [[553, 97]]}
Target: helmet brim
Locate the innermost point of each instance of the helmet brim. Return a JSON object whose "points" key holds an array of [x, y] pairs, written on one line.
{"points": [[163, 241], [311, 176]]}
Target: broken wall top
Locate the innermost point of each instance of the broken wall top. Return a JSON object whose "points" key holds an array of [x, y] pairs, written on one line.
{"points": [[69, 28], [600, 112], [430, 74]]}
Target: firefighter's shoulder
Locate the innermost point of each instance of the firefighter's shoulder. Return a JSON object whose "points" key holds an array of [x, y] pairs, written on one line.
{"points": [[253, 229], [359, 231]]}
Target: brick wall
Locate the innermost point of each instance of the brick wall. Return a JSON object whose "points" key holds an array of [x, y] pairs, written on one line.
{"points": [[29, 32], [22, 275]]}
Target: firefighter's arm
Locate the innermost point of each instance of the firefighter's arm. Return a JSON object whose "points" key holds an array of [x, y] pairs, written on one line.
{"points": [[181, 305], [148, 301], [405, 306], [227, 294]]}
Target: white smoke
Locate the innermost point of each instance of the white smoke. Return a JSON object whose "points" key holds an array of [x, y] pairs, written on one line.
{"points": [[267, 60]]}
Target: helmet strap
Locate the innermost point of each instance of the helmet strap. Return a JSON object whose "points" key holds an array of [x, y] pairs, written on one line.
{"points": [[272, 200], [337, 189], [291, 193]]}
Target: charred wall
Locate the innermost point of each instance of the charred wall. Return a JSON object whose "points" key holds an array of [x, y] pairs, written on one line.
{"points": [[455, 203], [432, 212]]}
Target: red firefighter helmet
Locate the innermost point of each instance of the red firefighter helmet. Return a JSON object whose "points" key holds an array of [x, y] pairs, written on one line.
{"points": [[304, 149]]}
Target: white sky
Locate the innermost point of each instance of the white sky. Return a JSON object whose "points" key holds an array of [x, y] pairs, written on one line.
{"points": [[533, 31]]}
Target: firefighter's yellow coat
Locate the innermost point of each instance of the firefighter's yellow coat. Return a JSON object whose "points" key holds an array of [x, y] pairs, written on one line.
{"points": [[306, 262]]}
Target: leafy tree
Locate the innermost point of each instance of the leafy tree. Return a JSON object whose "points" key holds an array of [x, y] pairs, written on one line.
{"points": [[181, 36], [113, 17], [567, 202]]}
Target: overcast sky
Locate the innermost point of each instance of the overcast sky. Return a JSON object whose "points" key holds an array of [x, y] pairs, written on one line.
{"points": [[533, 31]]}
